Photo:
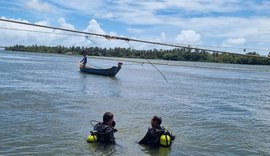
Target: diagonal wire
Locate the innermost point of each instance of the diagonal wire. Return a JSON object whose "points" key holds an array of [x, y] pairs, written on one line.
{"points": [[90, 40], [150, 63]]}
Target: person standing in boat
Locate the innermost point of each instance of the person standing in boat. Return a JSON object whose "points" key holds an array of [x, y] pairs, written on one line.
{"points": [[156, 135], [84, 60]]}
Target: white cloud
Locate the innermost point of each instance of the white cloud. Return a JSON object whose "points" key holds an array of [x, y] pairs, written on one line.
{"points": [[135, 31], [163, 36], [64, 24], [39, 6], [94, 27], [205, 6], [148, 12], [234, 41], [217, 29], [130, 12], [263, 6], [148, 20], [85, 7], [30, 37], [45, 22], [214, 29], [188, 37]]}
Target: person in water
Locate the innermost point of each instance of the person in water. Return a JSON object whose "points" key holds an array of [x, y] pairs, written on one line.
{"points": [[153, 135], [105, 130], [84, 60]]}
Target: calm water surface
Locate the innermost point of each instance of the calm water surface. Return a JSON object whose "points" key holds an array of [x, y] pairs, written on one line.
{"points": [[213, 109]]}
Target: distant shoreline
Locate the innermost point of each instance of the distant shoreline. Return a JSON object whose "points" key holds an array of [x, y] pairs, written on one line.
{"points": [[183, 54], [199, 65], [138, 61], [172, 63]]}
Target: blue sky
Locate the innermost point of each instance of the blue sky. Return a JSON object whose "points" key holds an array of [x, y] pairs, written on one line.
{"points": [[229, 25]]}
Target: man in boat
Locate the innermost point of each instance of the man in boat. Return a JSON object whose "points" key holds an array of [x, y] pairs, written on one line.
{"points": [[105, 130], [156, 135], [84, 60]]}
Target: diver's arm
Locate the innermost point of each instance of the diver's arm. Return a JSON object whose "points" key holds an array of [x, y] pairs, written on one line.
{"points": [[172, 136], [110, 134], [82, 60], [146, 138]]}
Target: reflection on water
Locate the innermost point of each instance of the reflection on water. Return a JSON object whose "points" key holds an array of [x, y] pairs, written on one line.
{"points": [[93, 88], [213, 109], [102, 149], [161, 151], [83, 82]]}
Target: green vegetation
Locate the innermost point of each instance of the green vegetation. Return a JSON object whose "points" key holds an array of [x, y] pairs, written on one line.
{"points": [[179, 54]]}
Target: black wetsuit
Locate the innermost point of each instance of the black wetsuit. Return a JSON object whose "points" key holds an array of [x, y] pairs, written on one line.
{"points": [[152, 137], [105, 133]]}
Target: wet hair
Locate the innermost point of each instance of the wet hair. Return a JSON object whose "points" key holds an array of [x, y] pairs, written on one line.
{"points": [[107, 116], [157, 119]]}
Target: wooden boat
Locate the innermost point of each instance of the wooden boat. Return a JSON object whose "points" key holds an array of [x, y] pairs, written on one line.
{"points": [[104, 72]]}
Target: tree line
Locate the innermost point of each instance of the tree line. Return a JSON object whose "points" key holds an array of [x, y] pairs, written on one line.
{"points": [[177, 54]]}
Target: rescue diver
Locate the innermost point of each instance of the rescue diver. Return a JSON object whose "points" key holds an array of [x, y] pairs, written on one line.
{"points": [[156, 133], [105, 130]]}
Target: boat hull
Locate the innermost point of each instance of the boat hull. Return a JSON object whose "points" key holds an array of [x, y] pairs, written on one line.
{"points": [[104, 72]]}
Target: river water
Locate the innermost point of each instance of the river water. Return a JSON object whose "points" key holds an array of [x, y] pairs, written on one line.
{"points": [[212, 109]]}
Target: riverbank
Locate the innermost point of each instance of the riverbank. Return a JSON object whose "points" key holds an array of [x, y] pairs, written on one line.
{"points": [[159, 62], [180, 54]]}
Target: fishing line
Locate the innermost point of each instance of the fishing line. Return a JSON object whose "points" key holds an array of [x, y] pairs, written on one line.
{"points": [[90, 40], [130, 64], [150, 63]]}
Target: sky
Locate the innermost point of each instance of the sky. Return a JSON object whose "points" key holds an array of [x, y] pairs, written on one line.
{"points": [[229, 25]]}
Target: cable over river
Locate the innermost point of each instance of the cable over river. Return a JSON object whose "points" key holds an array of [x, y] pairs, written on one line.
{"points": [[213, 109]]}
